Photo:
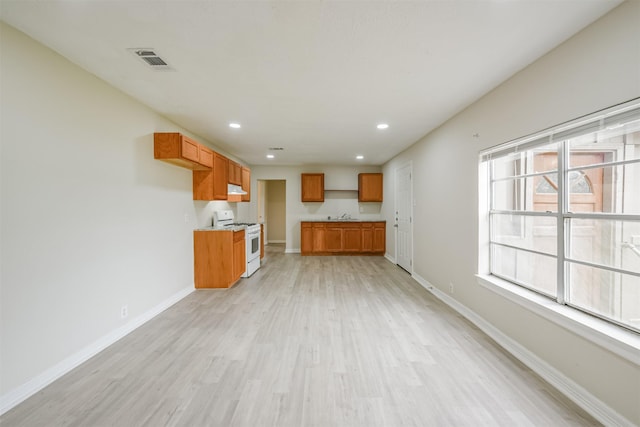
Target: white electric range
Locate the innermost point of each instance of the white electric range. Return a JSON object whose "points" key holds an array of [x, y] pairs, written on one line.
{"points": [[225, 219]]}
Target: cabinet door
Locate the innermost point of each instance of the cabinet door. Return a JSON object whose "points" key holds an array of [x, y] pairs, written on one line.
{"points": [[319, 238], [379, 237], [246, 184], [352, 236], [367, 237], [306, 238], [370, 187], [189, 149], [312, 185], [205, 156], [220, 176], [239, 254], [235, 173], [333, 239]]}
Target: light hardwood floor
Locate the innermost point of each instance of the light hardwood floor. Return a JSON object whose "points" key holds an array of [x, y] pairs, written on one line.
{"points": [[306, 341]]}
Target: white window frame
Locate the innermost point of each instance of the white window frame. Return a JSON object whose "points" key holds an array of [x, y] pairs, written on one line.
{"points": [[617, 338]]}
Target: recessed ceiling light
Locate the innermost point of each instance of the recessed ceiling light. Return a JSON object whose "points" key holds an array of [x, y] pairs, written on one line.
{"points": [[382, 126], [270, 156], [359, 157], [235, 125]]}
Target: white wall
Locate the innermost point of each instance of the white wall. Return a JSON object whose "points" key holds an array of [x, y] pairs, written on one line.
{"points": [[89, 220], [597, 68], [335, 203]]}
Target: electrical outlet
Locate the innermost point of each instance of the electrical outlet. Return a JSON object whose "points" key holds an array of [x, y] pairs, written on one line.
{"points": [[451, 290], [124, 311]]}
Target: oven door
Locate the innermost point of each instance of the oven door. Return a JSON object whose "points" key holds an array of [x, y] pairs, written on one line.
{"points": [[253, 247]]}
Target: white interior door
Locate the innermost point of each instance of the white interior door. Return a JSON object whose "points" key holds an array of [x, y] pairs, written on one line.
{"points": [[403, 220]]}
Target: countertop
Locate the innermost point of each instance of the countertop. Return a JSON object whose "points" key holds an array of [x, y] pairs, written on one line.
{"points": [[342, 220], [234, 228]]}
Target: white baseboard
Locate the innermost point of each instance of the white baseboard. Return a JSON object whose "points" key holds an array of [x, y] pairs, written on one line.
{"points": [[31, 387], [276, 241], [390, 258], [292, 251], [594, 406]]}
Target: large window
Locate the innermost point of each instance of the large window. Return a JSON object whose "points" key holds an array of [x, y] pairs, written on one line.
{"points": [[563, 213]]}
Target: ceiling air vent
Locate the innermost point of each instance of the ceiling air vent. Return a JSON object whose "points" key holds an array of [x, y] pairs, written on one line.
{"points": [[151, 58], [276, 148]]}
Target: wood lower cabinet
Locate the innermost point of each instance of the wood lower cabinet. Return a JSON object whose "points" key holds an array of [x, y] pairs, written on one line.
{"points": [[348, 238], [219, 258], [374, 237], [239, 254]]}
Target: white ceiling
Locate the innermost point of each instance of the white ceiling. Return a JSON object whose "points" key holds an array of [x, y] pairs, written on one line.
{"points": [[312, 77]]}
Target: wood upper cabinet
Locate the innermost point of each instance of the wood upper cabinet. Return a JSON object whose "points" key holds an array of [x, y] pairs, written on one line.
{"points": [[246, 184], [333, 238], [212, 184], [205, 156], [312, 185], [219, 258], [370, 187], [181, 150], [235, 173]]}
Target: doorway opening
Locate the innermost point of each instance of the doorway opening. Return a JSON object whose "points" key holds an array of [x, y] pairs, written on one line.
{"points": [[272, 211]]}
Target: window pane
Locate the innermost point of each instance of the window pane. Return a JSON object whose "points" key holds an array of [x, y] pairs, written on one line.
{"points": [[612, 189], [511, 165], [609, 145], [526, 194], [532, 270], [528, 232], [526, 162], [612, 295]]}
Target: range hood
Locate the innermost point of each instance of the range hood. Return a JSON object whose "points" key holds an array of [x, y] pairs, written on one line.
{"points": [[235, 190]]}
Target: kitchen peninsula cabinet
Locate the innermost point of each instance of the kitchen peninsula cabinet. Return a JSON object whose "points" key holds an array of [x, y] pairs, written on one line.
{"points": [[342, 237], [370, 187], [219, 258], [182, 151], [212, 184], [312, 185]]}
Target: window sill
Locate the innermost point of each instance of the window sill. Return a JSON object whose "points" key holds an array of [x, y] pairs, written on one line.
{"points": [[625, 344]]}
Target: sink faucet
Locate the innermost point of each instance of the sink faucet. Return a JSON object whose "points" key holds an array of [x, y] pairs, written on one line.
{"points": [[345, 216]]}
